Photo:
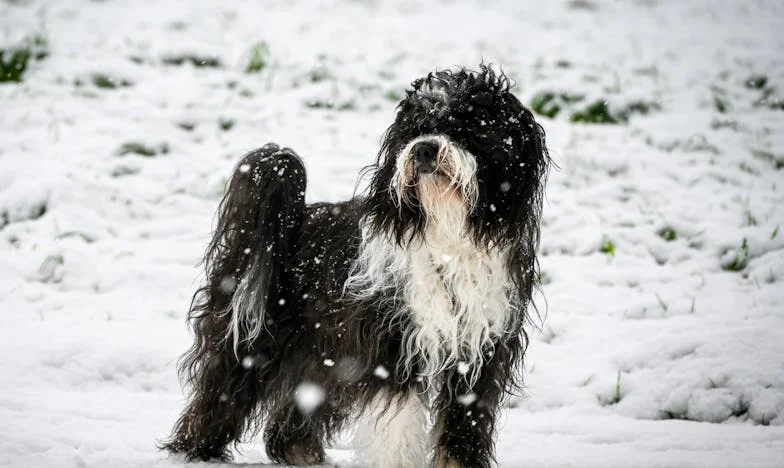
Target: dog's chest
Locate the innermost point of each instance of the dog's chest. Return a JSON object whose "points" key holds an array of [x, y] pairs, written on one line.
{"points": [[456, 293]]}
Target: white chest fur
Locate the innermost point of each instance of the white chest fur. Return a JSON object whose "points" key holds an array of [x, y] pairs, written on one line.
{"points": [[457, 297], [454, 295]]}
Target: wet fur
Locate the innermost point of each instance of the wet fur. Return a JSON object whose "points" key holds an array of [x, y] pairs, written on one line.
{"points": [[344, 295]]}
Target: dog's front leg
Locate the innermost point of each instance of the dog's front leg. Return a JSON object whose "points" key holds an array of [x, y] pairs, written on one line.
{"points": [[465, 415]]}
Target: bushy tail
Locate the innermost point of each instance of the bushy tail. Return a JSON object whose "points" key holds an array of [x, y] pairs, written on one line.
{"points": [[259, 221], [259, 218]]}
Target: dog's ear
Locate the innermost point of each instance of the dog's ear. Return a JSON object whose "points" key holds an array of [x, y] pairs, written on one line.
{"points": [[532, 161], [511, 178], [528, 143]]}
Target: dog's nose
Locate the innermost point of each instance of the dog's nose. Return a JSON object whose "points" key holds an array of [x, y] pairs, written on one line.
{"points": [[425, 160]]}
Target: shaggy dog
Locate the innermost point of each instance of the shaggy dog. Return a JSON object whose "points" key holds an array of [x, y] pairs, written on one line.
{"points": [[402, 310]]}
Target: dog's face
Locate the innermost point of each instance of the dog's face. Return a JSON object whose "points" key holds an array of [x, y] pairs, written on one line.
{"points": [[461, 143]]}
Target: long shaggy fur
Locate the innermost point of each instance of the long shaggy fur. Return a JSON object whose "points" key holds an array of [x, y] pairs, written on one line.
{"points": [[413, 296]]}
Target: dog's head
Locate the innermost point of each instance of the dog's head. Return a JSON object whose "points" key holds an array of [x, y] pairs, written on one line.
{"points": [[462, 151]]}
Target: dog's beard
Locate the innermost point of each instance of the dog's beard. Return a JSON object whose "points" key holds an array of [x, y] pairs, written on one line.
{"points": [[443, 205]]}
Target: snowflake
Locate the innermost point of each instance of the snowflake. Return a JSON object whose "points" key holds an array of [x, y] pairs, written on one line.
{"points": [[381, 372], [247, 362], [308, 396], [466, 399]]}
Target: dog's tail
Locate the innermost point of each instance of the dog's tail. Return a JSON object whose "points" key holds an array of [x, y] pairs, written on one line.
{"points": [[258, 219]]}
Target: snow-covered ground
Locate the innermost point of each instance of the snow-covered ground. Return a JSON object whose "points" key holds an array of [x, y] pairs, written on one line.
{"points": [[662, 244]]}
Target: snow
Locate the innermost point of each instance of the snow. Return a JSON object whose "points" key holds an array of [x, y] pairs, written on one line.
{"points": [[652, 353], [308, 396], [467, 398], [381, 372]]}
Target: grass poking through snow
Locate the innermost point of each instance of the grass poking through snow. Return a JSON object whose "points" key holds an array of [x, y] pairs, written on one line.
{"points": [[15, 60], [607, 247], [668, 234], [258, 59], [551, 104], [104, 81], [741, 258], [598, 112], [226, 124], [141, 149], [616, 396], [198, 61]]}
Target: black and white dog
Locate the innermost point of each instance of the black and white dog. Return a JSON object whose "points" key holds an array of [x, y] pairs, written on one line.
{"points": [[403, 309]]}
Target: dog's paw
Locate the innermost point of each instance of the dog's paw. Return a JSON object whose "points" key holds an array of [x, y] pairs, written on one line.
{"points": [[300, 455], [442, 460]]}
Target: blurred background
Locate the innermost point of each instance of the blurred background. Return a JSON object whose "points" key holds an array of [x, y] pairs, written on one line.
{"points": [[662, 339]]}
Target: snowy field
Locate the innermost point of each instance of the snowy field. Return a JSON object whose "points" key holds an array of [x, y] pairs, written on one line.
{"points": [[663, 233]]}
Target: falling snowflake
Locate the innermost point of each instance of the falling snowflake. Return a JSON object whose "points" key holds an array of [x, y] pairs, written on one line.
{"points": [[247, 362], [329, 362], [462, 367], [281, 301], [466, 399], [308, 396], [381, 372], [227, 284], [505, 186], [244, 168]]}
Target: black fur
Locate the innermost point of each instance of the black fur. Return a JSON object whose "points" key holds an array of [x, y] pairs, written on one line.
{"points": [[296, 258]]}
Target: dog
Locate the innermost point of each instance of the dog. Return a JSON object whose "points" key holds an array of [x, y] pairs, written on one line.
{"points": [[402, 310]]}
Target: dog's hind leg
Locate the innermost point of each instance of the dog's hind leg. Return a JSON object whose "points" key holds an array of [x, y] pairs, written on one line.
{"points": [[221, 406], [245, 261]]}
